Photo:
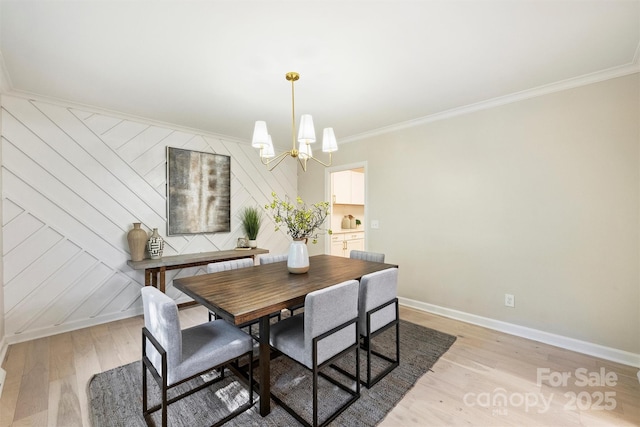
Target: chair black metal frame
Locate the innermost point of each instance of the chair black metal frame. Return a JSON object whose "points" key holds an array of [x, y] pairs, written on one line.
{"points": [[316, 372], [367, 344], [161, 379]]}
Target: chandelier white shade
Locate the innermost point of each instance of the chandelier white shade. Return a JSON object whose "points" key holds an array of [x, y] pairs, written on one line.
{"points": [[306, 136], [307, 132], [260, 135], [329, 143]]}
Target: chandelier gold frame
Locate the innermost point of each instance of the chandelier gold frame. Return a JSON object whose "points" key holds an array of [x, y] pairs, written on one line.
{"points": [[262, 140]]}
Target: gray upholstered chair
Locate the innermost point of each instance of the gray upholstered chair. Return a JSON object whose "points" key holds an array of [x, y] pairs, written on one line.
{"points": [[326, 331], [378, 311], [215, 267], [270, 259], [174, 356], [367, 256]]}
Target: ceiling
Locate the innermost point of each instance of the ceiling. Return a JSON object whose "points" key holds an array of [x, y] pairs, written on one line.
{"points": [[218, 66]]}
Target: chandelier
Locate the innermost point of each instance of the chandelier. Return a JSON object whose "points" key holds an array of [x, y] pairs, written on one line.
{"points": [[306, 136]]}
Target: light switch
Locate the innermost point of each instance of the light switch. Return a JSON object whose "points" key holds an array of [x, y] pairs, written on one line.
{"points": [[375, 223]]}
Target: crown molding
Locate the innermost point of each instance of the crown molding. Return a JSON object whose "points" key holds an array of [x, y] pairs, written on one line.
{"points": [[587, 79], [120, 115], [6, 86]]}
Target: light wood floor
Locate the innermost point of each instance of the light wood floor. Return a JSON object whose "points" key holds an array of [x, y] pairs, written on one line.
{"points": [[486, 379]]}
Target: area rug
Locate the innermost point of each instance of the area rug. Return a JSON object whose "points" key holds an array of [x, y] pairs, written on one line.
{"points": [[116, 395]]}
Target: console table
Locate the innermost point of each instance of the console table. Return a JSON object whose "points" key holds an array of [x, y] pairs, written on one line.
{"points": [[154, 269]]}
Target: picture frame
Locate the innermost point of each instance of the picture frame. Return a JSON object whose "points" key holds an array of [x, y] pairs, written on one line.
{"points": [[198, 192]]}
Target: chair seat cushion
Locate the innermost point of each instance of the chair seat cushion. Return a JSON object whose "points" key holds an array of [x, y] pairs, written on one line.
{"points": [[207, 345], [288, 337]]}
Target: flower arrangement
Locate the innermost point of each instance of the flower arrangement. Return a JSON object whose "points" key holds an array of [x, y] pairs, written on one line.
{"points": [[302, 221]]}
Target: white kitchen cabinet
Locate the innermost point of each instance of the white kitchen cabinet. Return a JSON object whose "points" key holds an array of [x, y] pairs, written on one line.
{"points": [[337, 246], [357, 188], [343, 243], [341, 187], [347, 187], [355, 245]]}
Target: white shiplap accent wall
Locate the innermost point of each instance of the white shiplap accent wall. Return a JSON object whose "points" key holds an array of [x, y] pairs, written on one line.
{"points": [[74, 181]]}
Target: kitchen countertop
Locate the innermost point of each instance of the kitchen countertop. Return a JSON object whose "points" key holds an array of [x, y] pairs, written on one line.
{"points": [[347, 230]]}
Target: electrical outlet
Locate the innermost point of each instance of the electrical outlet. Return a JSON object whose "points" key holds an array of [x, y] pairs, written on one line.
{"points": [[375, 224], [509, 300]]}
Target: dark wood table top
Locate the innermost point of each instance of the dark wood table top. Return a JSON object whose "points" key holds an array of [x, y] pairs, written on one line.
{"points": [[246, 294]]}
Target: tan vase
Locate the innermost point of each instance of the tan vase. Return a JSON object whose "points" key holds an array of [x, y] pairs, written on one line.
{"points": [[137, 239], [346, 223]]}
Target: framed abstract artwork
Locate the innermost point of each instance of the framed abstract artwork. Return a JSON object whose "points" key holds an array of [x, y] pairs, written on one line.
{"points": [[198, 192]]}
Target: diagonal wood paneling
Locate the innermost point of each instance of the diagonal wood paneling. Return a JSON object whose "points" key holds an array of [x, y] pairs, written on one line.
{"points": [[73, 183]]}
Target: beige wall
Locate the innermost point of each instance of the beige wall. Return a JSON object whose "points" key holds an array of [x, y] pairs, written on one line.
{"points": [[538, 198]]}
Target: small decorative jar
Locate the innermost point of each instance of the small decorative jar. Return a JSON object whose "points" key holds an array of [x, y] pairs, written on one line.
{"points": [[353, 223], [155, 245], [346, 223]]}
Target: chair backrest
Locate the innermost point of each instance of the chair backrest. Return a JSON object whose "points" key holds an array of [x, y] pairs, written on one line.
{"points": [[326, 309], [366, 256], [233, 264], [270, 259], [376, 289], [161, 319]]}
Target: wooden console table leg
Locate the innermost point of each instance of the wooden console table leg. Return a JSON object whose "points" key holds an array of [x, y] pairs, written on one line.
{"points": [[161, 277], [148, 274], [154, 277]]}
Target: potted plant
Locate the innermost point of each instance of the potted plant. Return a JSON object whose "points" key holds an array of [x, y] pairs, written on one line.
{"points": [[251, 219]]}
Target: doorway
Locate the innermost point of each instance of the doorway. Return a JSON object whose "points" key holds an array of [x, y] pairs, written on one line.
{"points": [[345, 188]]}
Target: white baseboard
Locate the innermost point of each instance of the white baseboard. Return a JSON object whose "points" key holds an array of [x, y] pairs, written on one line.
{"points": [[3, 350], [85, 323], [597, 350], [68, 327], [3, 377]]}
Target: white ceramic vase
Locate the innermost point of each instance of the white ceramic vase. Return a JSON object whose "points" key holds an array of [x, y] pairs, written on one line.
{"points": [[298, 260], [155, 245]]}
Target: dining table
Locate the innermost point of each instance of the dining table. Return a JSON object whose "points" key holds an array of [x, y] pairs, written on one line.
{"points": [[253, 293]]}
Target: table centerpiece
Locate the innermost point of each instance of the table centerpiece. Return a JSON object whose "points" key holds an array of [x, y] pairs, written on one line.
{"points": [[302, 222]]}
